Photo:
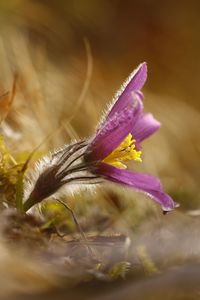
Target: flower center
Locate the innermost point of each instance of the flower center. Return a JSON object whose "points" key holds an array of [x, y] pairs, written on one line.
{"points": [[124, 152]]}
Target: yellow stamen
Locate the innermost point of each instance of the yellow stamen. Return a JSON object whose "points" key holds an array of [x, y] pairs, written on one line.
{"points": [[124, 152]]}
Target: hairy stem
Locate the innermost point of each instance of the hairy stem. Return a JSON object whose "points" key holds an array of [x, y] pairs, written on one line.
{"points": [[28, 204]]}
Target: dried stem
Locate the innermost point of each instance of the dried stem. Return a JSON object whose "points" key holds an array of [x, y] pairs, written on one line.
{"points": [[78, 227]]}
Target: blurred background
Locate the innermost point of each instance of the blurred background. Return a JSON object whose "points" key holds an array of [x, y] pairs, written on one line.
{"points": [[121, 34], [71, 56]]}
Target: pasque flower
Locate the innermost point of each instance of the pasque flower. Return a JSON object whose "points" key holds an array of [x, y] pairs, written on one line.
{"points": [[117, 140]]}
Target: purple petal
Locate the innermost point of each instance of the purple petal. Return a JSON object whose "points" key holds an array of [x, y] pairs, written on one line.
{"points": [[142, 182], [114, 131], [144, 127], [134, 83]]}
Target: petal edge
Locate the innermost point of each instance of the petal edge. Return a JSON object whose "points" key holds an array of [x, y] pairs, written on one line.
{"points": [[145, 183]]}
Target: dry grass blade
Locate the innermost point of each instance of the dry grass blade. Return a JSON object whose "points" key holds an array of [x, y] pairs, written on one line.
{"points": [[7, 100], [86, 82]]}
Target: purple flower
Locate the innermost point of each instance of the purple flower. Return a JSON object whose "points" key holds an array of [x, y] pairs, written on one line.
{"points": [[117, 141]]}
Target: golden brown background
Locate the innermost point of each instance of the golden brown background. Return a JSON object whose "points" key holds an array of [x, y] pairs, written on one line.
{"points": [[121, 34]]}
